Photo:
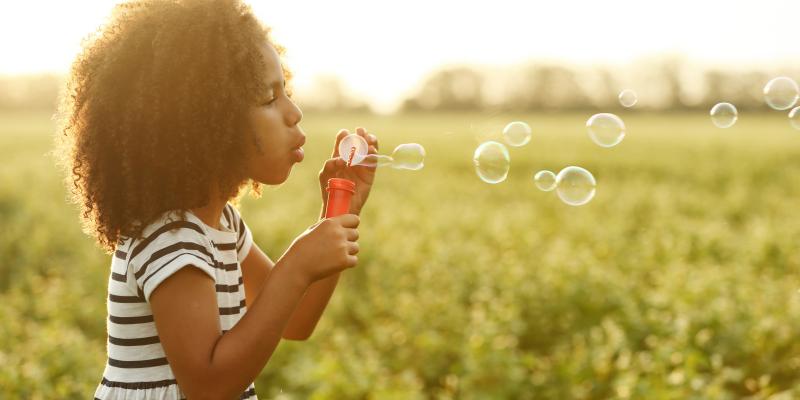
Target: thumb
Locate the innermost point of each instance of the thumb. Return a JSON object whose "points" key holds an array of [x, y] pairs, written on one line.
{"points": [[331, 166], [339, 136]]}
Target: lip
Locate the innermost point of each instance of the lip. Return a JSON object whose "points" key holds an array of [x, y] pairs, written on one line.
{"points": [[298, 154], [297, 151], [301, 142]]}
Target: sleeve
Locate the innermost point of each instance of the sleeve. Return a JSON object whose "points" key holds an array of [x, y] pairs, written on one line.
{"points": [[244, 238], [168, 253]]}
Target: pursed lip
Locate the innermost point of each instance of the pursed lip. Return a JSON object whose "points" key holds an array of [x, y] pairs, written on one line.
{"points": [[301, 143], [297, 151]]}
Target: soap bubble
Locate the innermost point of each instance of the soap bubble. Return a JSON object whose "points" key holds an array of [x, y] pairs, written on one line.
{"points": [[575, 186], [376, 160], [545, 180], [352, 149], [724, 115], [606, 130], [628, 98], [781, 93], [794, 118], [408, 156], [517, 133], [492, 162]]}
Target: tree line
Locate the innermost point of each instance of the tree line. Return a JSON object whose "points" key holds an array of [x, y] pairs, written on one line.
{"points": [[661, 84]]}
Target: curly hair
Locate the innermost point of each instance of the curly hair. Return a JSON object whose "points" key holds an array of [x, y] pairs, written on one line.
{"points": [[154, 115]]}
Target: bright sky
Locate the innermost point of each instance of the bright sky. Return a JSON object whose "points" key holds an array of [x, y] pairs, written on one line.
{"points": [[382, 50]]}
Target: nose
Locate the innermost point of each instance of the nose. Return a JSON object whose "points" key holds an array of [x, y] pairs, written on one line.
{"points": [[293, 115]]}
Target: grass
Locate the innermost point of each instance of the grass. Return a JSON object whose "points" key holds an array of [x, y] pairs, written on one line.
{"points": [[678, 281]]}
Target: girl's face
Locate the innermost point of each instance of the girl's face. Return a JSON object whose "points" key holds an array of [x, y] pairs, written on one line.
{"points": [[275, 122]]}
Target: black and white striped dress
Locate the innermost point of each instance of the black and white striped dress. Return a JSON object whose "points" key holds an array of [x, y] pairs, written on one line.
{"points": [[137, 367]]}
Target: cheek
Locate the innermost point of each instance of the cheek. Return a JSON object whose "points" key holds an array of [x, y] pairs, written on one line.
{"points": [[268, 159], [267, 126], [270, 167]]}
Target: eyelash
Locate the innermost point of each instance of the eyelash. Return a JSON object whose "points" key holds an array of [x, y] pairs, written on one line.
{"points": [[287, 91]]}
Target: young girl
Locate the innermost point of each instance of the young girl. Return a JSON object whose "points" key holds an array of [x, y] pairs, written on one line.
{"points": [[172, 108]]}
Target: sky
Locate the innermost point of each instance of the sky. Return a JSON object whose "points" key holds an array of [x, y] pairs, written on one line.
{"points": [[383, 50]]}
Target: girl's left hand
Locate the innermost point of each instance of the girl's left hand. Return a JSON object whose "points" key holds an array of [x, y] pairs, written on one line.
{"points": [[363, 176]]}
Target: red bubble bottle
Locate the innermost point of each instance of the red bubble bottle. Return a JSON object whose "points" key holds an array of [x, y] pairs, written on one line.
{"points": [[340, 191]]}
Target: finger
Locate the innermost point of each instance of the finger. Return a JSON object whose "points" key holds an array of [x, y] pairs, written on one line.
{"points": [[332, 165], [339, 136], [348, 220], [372, 150], [373, 140], [368, 137], [352, 235], [329, 166], [352, 248], [351, 261]]}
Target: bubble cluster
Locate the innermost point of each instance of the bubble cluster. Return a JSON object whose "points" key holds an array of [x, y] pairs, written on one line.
{"points": [[492, 162], [724, 115], [606, 130], [575, 186]]}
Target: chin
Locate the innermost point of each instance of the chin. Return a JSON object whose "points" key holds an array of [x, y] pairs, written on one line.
{"points": [[275, 179]]}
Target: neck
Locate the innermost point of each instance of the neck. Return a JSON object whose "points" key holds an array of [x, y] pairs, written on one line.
{"points": [[211, 212]]}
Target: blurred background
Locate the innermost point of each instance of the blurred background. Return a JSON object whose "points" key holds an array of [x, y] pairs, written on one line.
{"points": [[678, 281]]}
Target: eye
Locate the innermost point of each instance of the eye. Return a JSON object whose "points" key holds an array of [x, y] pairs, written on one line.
{"points": [[270, 98]]}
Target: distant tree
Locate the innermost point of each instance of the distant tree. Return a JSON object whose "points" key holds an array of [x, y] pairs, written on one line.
{"points": [[670, 73], [329, 93], [451, 89], [30, 92], [662, 83], [549, 87]]}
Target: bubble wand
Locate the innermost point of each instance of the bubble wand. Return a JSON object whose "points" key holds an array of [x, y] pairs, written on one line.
{"points": [[406, 156], [354, 150], [352, 154]]}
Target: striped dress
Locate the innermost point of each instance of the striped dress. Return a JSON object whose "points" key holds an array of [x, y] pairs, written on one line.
{"points": [[137, 367]]}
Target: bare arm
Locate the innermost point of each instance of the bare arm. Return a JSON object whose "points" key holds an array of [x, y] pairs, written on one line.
{"points": [[308, 313], [256, 268], [207, 363]]}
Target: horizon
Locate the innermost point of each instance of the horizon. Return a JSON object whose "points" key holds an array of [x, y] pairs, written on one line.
{"points": [[616, 35]]}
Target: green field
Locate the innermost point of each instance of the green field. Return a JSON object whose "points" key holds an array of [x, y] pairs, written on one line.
{"points": [[678, 281]]}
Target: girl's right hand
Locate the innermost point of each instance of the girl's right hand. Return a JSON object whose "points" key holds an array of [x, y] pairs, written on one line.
{"points": [[325, 248]]}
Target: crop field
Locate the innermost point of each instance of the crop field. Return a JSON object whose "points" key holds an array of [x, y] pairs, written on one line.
{"points": [[679, 280]]}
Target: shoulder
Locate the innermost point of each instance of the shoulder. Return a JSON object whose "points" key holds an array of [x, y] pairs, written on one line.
{"points": [[167, 232], [167, 245]]}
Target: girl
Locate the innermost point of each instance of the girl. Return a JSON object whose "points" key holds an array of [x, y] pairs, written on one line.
{"points": [[171, 109]]}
